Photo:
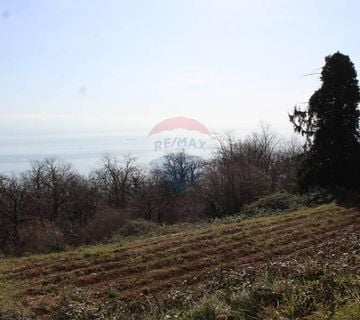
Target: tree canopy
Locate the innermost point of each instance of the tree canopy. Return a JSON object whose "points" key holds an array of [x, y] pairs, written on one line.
{"points": [[330, 124]]}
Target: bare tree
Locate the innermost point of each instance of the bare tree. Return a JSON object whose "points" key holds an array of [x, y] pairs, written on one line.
{"points": [[180, 170], [13, 200], [116, 179], [153, 199], [57, 191]]}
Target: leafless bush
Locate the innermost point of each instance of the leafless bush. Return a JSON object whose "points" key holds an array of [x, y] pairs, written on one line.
{"points": [[105, 223], [244, 170], [42, 236]]}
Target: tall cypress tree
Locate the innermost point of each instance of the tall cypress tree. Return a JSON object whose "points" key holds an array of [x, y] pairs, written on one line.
{"points": [[331, 127]]}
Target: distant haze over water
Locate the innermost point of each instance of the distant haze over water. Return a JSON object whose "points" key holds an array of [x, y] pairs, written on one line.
{"points": [[83, 151]]}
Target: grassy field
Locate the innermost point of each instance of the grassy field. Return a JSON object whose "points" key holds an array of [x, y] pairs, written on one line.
{"points": [[301, 265]]}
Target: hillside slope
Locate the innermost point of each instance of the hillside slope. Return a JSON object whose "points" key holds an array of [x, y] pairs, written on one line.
{"points": [[171, 271]]}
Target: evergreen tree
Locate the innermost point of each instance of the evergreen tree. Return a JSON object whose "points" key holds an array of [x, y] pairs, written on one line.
{"points": [[331, 127]]}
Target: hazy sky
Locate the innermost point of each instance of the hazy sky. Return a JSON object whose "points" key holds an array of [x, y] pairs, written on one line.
{"points": [[91, 66]]}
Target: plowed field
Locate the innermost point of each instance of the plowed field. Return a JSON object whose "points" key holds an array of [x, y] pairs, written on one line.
{"points": [[151, 267]]}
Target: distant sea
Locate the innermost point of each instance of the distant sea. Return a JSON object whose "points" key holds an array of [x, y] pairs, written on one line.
{"points": [[83, 151]]}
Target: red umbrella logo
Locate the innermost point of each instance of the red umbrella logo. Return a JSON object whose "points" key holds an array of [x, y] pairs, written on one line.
{"points": [[179, 123]]}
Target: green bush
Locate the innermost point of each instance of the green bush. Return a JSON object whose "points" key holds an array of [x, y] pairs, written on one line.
{"points": [[321, 196], [275, 203]]}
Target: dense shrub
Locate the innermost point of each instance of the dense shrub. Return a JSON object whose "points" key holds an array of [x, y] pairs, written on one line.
{"points": [[275, 203], [105, 223], [321, 196], [44, 237]]}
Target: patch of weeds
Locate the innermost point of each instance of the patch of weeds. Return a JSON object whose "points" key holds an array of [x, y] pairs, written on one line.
{"points": [[77, 306], [210, 309], [11, 315], [113, 294], [320, 292]]}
